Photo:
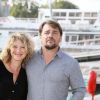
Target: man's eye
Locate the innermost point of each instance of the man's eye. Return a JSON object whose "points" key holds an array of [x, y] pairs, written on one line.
{"points": [[46, 33], [55, 32]]}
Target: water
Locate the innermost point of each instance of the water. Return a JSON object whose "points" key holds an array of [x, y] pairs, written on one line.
{"points": [[97, 91]]}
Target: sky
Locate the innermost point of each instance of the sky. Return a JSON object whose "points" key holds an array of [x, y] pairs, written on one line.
{"points": [[87, 4], [82, 4]]}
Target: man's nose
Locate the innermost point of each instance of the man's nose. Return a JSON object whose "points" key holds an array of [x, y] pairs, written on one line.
{"points": [[51, 34]]}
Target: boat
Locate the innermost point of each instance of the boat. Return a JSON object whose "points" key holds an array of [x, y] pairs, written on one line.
{"points": [[80, 38], [81, 30], [81, 34], [9, 24]]}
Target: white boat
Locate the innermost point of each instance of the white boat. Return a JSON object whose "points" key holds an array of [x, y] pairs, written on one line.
{"points": [[81, 29], [81, 33], [10, 24]]}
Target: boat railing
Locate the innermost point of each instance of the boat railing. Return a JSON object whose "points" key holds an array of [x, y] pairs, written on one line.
{"points": [[81, 46], [86, 42], [11, 18], [33, 20]]}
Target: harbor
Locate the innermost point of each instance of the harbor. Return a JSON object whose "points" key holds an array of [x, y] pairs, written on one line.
{"points": [[81, 37]]}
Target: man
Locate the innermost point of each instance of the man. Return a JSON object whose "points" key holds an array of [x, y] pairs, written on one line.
{"points": [[51, 72]]}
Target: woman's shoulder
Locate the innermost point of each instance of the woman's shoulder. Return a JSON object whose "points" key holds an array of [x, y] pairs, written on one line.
{"points": [[1, 62], [2, 66]]}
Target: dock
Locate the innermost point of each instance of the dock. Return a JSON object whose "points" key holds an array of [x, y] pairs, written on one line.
{"points": [[96, 97]]}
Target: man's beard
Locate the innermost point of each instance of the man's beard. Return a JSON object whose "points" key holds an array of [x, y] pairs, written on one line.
{"points": [[51, 47]]}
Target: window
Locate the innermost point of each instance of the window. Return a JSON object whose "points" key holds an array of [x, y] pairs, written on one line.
{"points": [[74, 38], [72, 14], [55, 14], [97, 36], [98, 39], [63, 14], [87, 14], [78, 14], [84, 37], [91, 36], [72, 21], [94, 14], [92, 21], [67, 38]]}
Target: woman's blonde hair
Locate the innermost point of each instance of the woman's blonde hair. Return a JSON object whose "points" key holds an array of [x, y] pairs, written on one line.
{"points": [[25, 38]]}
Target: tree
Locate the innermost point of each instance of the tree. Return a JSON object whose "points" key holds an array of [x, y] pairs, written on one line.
{"points": [[22, 10], [61, 5]]}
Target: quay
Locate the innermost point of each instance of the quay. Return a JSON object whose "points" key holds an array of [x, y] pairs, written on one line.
{"points": [[87, 56], [96, 97]]}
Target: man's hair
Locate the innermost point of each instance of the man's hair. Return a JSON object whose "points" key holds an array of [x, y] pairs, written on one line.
{"points": [[52, 23]]}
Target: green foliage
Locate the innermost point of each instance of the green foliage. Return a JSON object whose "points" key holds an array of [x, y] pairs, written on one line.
{"points": [[20, 10], [61, 5], [34, 11], [3, 0]]}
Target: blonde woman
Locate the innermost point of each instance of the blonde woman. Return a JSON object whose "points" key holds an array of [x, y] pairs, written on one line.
{"points": [[13, 79]]}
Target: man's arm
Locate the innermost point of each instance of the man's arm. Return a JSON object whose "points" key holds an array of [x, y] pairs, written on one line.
{"points": [[77, 82]]}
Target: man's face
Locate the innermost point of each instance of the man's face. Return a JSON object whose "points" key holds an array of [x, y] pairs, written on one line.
{"points": [[50, 37]]}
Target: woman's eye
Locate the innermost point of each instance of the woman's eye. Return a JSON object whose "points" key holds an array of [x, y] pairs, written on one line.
{"points": [[14, 46], [23, 47]]}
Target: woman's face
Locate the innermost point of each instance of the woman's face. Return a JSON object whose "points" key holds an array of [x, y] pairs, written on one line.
{"points": [[18, 50]]}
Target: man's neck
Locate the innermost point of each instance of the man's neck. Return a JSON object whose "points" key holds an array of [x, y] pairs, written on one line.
{"points": [[48, 55]]}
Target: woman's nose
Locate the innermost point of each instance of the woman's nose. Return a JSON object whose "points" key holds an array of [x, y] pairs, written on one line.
{"points": [[18, 49]]}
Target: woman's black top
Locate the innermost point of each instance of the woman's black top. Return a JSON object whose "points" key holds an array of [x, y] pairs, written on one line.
{"points": [[10, 90]]}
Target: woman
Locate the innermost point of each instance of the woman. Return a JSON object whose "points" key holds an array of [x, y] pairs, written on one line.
{"points": [[13, 79]]}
